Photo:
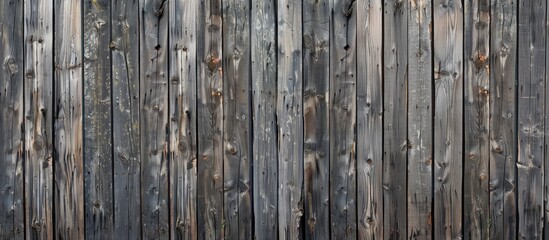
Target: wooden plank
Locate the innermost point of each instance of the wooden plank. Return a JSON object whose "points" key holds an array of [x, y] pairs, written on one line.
{"points": [[125, 90], [98, 177], [343, 119], [395, 74], [531, 97], [38, 119], [183, 119], [476, 119], [68, 163], [448, 118], [12, 209], [210, 118], [420, 132], [316, 83], [264, 93]]}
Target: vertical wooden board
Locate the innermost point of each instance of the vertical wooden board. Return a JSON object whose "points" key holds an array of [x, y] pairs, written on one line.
{"points": [[395, 80], [476, 119], [125, 89], [316, 77], [68, 163], [264, 119], [369, 119], [448, 118], [343, 119], [503, 64], [420, 124], [531, 97], [210, 120], [98, 204], [153, 109], [38, 118], [12, 213], [183, 119]]}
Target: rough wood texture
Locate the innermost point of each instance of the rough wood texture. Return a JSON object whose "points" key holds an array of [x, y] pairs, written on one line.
{"points": [[264, 85], [316, 83], [476, 119], [153, 117], [420, 124], [395, 79], [183, 119], [448, 118], [12, 209], [531, 100], [343, 119]]}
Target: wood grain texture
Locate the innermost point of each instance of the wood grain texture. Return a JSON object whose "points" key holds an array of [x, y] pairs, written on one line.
{"points": [[12, 208], [420, 123], [183, 119], [395, 80], [316, 83], [476, 119], [448, 118], [531, 100], [343, 119], [98, 175], [264, 122], [153, 117], [68, 163]]}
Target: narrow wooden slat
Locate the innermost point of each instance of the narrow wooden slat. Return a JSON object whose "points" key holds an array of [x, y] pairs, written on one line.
{"points": [[316, 77], [210, 118], [343, 119], [476, 119], [12, 211], [395, 80], [264, 85], [420, 124], [153, 117], [531, 99], [98, 204], [183, 119], [68, 163]]}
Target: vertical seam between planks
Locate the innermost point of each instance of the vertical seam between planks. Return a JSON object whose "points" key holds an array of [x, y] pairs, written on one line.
{"points": [[381, 70], [53, 112], [433, 112], [24, 130], [110, 4], [83, 106], [139, 19], [515, 133], [167, 138]]}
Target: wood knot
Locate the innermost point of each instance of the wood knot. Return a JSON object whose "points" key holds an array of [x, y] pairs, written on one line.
{"points": [[480, 61]]}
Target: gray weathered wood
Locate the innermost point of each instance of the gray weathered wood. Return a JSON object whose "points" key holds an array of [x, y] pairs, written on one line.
{"points": [[343, 119], [68, 163], [316, 77], [153, 117], [420, 145], [12, 208], [264, 122], [395, 74], [448, 118], [476, 119], [98, 176], [531, 99], [183, 119]]}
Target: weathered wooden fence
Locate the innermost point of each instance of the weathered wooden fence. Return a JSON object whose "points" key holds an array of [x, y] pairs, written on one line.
{"points": [[266, 119]]}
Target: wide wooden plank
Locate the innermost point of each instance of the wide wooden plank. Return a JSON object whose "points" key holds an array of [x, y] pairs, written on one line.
{"points": [[12, 211], [38, 119], [395, 80], [369, 119], [264, 85], [448, 118], [153, 117], [68, 163], [210, 117], [316, 77], [476, 119], [183, 111], [420, 123], [531, 100], [343, 119], [98, 177]]}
